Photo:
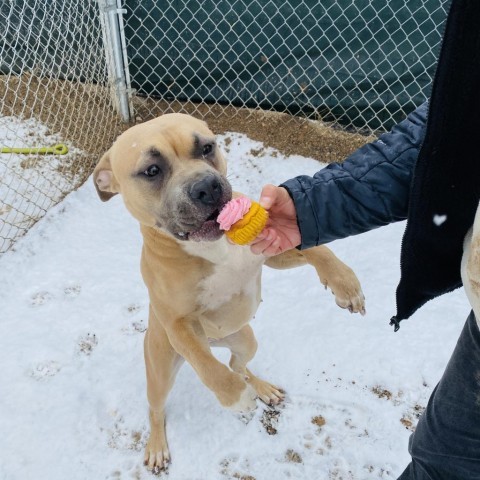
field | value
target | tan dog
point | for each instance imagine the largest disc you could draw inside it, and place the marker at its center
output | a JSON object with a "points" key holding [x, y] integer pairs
{"points": [[471, 266], [203, 290]]}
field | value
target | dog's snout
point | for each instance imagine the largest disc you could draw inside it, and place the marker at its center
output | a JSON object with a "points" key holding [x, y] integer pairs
{"points": [[208, 191]]}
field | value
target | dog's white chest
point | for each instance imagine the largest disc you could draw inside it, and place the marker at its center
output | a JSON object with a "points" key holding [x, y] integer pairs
{"points": [[236, 271], [228, 280]]}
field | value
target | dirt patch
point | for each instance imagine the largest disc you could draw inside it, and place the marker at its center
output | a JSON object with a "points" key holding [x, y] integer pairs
{"points": [[291, 456], [382, 392], [288, 134], [270, 421], [83, 114], [410, 419], [87, 344], [319, 421], [226, 467]]}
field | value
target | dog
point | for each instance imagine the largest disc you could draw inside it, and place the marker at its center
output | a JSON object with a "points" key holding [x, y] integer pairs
{"points": [[470, 267], [203, 290]]}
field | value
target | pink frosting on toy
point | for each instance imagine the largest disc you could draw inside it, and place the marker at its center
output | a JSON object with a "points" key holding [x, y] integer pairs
{"points": [[233, 211]]}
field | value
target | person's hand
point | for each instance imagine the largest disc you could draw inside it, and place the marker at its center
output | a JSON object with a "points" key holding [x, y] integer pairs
{"points": [[281, 232]]}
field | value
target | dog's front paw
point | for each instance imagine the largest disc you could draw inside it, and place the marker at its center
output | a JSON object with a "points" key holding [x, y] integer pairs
{"points": [[351, 298], [246, 403], [237, 395], [345, 285]]}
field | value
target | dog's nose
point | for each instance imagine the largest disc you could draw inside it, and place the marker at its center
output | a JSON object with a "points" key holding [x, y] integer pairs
{"points": [[207, 191]]}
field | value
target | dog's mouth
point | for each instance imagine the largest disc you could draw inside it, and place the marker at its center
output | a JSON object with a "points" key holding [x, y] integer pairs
{"points": [[208, 231]]}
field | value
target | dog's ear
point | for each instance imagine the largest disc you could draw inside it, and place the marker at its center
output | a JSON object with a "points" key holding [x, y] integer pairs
{"points": [[105, 182]]}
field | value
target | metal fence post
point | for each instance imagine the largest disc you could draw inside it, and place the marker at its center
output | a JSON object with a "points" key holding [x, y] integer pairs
{"points": [[115, 52]]}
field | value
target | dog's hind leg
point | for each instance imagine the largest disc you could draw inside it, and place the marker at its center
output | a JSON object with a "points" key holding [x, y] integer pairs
{"points": [[243, 346], [162, 364]]}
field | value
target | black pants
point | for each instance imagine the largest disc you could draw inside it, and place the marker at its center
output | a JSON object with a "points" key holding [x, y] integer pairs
{"points": [[446, 443]]}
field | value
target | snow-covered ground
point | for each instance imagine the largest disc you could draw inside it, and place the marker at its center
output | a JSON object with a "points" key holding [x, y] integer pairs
{"points": [[73, 311]]}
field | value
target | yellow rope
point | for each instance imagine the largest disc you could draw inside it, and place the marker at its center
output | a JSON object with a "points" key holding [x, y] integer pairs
{"points": [[60, 149]]}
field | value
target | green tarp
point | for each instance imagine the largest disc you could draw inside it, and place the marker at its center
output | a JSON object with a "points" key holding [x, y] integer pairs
{"points": [[57, 38], [360, 60]]}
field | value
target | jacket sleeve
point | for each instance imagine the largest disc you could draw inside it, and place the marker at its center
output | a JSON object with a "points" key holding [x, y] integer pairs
{"points": [[368, 190]]}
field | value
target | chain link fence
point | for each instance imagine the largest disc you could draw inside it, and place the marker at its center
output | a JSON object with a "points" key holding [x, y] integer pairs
{"points": [[363, 64], [278, 66], [54, 89]]}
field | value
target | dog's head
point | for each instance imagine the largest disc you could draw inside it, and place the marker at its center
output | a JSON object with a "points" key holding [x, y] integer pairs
{"points": [[171, 175]]}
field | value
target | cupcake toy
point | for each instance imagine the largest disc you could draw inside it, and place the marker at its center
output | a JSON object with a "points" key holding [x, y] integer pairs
{"points": [[242, 220]]}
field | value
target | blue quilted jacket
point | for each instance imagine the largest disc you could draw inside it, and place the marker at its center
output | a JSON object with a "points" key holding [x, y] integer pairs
{"points": [[420, 170], [369, 189]]}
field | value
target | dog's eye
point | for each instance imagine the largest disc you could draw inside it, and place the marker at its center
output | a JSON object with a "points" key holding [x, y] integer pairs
{"points": [[207, 149], [152, 171]]}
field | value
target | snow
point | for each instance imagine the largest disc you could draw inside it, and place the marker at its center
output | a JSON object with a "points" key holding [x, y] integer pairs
{"points": [[29, 185], [73, 311]]}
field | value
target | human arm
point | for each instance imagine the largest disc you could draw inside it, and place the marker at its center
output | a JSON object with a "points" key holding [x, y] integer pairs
{"points": [[369, 189]]}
